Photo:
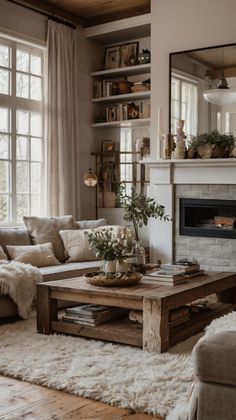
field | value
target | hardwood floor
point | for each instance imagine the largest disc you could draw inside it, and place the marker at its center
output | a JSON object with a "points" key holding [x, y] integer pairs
{"points": [[23, 401]]}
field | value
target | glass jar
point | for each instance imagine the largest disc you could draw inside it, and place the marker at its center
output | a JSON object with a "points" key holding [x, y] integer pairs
{"points": [[139, 261]]}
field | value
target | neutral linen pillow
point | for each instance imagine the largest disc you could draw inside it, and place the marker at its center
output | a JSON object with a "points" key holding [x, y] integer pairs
{"points": [[3, 256], [77, 245], [46, 229], [39, 255], [90, 224]]}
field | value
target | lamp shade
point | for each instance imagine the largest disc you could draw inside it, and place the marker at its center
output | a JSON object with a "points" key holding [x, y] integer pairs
{"points": [[90, 179], [220, 96]]}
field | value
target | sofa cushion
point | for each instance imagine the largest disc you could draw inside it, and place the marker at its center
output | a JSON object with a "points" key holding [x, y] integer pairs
{"points": [[67, 271], [215, 358], [3, 256], [91, 224], [46, 229], [38, 255], [14, 236]]}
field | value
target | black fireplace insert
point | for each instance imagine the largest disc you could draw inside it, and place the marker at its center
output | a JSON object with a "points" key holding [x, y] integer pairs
{"points": [[211, 218]]}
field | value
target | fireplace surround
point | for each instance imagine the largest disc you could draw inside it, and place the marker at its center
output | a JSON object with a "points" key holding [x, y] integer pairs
{"points": [[171, 180]]}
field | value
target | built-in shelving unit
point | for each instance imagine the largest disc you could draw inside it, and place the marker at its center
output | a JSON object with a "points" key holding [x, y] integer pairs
{"points": [[112, 108]]}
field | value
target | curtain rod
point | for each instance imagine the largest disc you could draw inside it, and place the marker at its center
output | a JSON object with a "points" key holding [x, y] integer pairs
{"points": [[51, 17]]}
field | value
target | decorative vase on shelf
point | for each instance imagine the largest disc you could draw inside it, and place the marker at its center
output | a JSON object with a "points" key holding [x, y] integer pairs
{"points": [[138, 259]]}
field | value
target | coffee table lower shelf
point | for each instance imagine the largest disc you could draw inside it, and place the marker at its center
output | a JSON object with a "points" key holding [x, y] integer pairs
{"points": [[127, 332]]}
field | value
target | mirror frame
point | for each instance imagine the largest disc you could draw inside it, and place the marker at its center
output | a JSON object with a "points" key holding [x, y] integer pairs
{"points": [[185, 52]]}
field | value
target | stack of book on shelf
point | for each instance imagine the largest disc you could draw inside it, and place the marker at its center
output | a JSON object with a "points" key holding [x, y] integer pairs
{"points": [[175, 273], [92, 315], [179, 315]]}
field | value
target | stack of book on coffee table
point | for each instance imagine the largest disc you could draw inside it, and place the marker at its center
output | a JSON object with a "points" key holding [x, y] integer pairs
{"points": [[92, 315], [175, 273]]}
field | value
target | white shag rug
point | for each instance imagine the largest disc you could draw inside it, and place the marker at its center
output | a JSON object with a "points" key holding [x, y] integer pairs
{"points": [[118, 375]]}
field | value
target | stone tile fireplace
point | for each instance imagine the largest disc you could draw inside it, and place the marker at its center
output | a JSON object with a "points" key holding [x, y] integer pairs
{"points": [[172, 182]]}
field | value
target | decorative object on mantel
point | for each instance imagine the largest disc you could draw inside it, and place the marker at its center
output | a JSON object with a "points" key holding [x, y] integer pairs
{"points": [[168, 145], [213, 144], [180, 146]]}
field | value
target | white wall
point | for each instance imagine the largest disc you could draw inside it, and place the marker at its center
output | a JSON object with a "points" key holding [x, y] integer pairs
{"points": [[178, 26]]}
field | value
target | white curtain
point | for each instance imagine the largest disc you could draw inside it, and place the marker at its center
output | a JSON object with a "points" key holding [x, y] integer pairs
{"points": [[61, 120]]}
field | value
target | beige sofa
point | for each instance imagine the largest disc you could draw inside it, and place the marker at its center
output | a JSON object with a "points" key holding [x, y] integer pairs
{"points": [[21, 236]]}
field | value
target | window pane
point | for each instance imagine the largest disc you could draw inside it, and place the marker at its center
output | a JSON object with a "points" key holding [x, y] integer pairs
{"points": [[22, 122], [35, 88], [35, 65], [22, 85], [4, 176], [22, 60], [36, 149], [4, 146], [4, 82], [22, 148], [36, 125], [4, 120], [22, 177], [4, 56], [35, 205], [4, 205], [35, 177], [22, 206]]}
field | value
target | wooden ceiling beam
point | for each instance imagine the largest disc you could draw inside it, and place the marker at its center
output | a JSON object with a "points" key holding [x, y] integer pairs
{"points": [[110, 17], [53, 10]]}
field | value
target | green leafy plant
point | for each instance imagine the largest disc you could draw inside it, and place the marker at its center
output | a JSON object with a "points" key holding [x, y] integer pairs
{"points": [[212, 137], [106, 245], [139, 209]]}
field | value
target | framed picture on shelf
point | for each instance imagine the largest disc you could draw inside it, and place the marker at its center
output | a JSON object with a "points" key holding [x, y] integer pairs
{"points": [[108, 146], [112, 57], [128, 54]]}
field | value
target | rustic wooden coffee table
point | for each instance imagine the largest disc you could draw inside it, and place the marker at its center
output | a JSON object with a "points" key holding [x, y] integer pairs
{"points": [[155, 300]]}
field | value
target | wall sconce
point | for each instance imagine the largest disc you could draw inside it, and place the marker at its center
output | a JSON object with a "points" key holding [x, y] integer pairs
{"points": [[90, 179]]}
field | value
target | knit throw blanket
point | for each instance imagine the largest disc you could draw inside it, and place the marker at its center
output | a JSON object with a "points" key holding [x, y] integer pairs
{"points": [[18, 281]]}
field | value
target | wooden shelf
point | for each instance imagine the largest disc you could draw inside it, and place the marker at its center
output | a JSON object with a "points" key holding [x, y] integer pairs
{"points": [[119, 331], [126, 97], [127, 123], [121, 71], [198, 321]]}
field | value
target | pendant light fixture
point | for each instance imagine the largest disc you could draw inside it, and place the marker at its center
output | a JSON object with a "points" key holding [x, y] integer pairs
{"points": [[90, 179], [222, 95]]}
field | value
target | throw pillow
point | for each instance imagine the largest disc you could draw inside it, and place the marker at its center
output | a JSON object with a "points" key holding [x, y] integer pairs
{"points": [[46, 229], [37, 255], [76, 245], [90, 224], [3, 256]]}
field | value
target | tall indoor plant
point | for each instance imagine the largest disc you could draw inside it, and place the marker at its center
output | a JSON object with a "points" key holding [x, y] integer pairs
{"points": [[138, 209]]}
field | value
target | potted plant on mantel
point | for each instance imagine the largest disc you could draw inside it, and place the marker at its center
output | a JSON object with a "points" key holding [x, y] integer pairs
{"points": [[212, 144]]}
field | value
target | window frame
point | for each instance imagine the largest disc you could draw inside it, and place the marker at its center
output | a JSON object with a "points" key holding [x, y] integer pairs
{"points": [[14, 104]]}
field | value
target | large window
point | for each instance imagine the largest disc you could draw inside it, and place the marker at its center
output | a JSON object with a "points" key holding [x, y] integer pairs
{"points": [[184, 105], [21, 130]]}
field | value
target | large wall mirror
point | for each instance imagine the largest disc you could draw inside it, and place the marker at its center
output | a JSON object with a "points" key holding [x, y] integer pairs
{"points": [[194, 72]]}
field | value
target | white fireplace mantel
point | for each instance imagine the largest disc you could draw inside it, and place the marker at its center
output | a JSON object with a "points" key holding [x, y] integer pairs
{"points": [[164, 175], [192, 171]]}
